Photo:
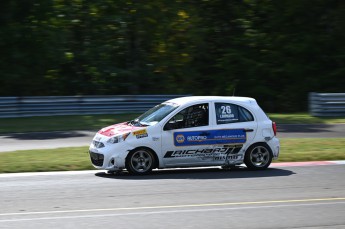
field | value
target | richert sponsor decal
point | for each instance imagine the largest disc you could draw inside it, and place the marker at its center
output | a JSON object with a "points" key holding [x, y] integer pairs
{"points": [[220, 153], [140, 134], [210, 137]]}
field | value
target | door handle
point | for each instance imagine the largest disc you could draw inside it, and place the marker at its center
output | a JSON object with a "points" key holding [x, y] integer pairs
{"points": [[204, 134], [248, 130]]}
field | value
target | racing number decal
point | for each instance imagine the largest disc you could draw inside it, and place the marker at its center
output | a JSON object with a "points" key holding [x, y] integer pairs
{"points": [[226, 112]]}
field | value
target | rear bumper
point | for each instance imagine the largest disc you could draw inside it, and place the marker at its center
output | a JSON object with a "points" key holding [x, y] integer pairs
{"points": [[274, 144]]}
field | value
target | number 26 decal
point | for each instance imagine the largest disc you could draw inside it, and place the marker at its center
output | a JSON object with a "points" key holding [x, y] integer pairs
{"points": [[226, 109]]}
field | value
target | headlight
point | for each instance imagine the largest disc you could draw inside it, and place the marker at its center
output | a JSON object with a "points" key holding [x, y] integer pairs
{"points": [[118, 138], [98, 144]]}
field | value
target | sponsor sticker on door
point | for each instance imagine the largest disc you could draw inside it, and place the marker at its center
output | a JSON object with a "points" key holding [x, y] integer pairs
{"points": [[210, 137]]}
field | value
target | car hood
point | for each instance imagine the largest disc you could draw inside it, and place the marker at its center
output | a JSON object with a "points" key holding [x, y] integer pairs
{"points": [[117, 129]]}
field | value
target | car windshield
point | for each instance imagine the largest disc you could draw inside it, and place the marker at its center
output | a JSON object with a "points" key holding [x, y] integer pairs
{"points": [[155, 114]]}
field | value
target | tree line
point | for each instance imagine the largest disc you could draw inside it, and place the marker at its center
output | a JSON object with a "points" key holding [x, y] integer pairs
{"points": [[274, 51]]}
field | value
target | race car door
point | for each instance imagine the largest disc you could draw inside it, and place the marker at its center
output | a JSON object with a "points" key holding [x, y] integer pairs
{"points": [[184, 137], [235, 128]]}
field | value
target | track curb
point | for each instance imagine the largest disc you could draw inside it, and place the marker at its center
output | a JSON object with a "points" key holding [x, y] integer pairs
{"points": [[81, 172]]}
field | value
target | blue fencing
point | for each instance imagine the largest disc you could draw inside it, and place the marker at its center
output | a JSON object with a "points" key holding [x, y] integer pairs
{"points": [[28, 106]]}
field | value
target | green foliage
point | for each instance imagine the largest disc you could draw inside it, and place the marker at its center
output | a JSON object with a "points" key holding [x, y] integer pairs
{"points": [[275, 51]]}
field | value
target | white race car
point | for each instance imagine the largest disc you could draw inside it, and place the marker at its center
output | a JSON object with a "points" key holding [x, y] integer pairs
{"points": [[189, 132]]}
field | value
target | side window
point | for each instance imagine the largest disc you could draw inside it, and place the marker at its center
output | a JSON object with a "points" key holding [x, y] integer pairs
{"points": [[245, 115], [193, 116], [230, 113]]}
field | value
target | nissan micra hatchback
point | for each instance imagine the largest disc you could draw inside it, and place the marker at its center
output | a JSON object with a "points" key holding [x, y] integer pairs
{"points": [[189, 132]]}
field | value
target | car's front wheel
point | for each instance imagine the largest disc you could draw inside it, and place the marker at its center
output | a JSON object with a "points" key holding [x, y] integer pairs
{"points": [[140, 161], [258, 156]]}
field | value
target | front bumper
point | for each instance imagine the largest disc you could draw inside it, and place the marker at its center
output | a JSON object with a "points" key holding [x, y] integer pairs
{"points": [[97, 159], [110, 157]]}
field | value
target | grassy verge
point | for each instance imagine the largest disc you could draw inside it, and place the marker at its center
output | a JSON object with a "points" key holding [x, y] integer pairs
{"points": [[95, 122], [312, 149], [304, 118], [56, 123], [61, 159], [76, 158]]}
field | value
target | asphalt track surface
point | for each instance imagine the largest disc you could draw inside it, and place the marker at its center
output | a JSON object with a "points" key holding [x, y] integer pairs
{"points": [[279, 197], [286, 195], [49, 140]]}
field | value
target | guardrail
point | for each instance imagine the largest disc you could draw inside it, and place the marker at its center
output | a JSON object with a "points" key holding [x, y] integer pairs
{"points": [[327, 104], [11, 107]]}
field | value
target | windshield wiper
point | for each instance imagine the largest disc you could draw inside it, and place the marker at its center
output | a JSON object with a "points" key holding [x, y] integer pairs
{"points": [[132, 122], [144, 124], [136, 122]]}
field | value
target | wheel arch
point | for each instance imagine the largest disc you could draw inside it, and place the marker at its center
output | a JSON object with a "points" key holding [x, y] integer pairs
{"points": [[257, 144], [247, 161], [156, 162]]}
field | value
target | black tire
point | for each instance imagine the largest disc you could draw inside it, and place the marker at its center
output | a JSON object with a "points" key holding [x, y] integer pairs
{"points": [[258, 156], [140, 161]]}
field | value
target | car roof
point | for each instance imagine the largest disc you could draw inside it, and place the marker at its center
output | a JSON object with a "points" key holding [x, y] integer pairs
{"points": [[192, 99]]}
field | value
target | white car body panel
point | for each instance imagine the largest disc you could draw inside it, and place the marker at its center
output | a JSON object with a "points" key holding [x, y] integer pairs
{"points": [[208, 145]]}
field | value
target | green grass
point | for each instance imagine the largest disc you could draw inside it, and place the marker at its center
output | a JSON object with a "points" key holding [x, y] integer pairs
{"points": [[95, 122], [61, 159], [304, 118], [76, 158], [312, 149]]}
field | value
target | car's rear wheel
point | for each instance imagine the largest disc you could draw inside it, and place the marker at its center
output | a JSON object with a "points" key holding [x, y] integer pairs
{"points": [[140, 161], [258, 156]]}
